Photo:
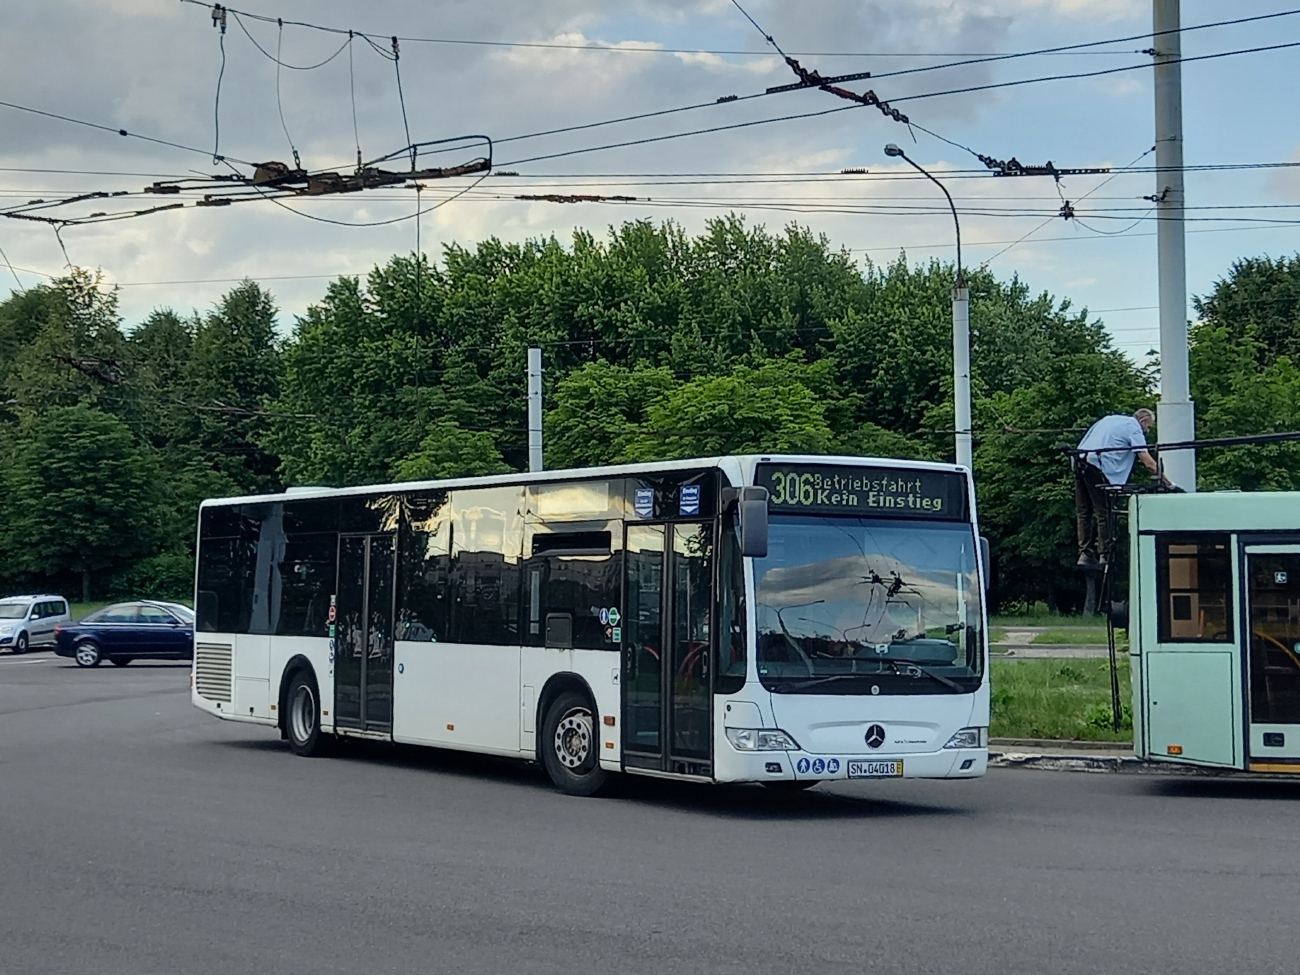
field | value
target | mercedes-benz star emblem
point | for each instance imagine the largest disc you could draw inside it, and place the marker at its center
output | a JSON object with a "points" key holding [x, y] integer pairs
{"points": [[875, 736]]}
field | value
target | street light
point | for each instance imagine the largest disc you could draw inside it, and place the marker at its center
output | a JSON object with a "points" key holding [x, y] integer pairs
{"points": [[960, 331]]}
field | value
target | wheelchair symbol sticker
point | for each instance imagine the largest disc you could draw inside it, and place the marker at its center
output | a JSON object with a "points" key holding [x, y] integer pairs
{"points": [[818, 766]]}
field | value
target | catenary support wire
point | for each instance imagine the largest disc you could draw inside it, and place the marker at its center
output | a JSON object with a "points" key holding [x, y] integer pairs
{"points": [[218, 20], [279, 40]]}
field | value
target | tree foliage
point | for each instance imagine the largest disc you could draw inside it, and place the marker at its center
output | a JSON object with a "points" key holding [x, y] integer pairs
{"points": [[657, 344], [81, 496]]}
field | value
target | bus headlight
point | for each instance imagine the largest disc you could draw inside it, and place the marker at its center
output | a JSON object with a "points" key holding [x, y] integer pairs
{"points": [[761, 740], [969, 738]]}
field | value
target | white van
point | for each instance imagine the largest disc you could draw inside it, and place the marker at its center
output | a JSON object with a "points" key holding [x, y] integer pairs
{"points": [[28, 621]]}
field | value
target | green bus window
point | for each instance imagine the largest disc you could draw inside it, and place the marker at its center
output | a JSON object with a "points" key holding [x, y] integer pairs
{"points": [[1194, 577]]}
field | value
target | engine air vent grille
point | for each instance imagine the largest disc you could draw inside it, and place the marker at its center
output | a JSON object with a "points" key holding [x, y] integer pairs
{"points": [[212, 671]]}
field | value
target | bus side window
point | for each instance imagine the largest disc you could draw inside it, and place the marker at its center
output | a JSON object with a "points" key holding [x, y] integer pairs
{"points": [[424, 568], [574, 573], [484, 573], [307, 576], [1193, 581], [228, 538]]}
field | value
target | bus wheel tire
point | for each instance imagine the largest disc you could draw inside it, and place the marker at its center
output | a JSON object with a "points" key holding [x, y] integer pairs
{"points": [[87, 654], [570, 744], [302, 718], [788, 787]]}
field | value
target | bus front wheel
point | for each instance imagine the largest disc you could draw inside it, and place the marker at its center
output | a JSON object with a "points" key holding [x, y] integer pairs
{"points": [[302, 719], [570, 746]]}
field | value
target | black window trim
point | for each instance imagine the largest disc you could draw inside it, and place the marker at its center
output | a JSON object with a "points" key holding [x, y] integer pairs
{"points": [[1163, 539]]}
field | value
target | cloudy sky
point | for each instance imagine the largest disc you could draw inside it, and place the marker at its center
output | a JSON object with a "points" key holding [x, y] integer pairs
{"points": [[151, 67]]}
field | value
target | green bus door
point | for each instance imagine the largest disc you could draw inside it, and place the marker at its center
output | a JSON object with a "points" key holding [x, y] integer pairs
{"points": [[1273, 659]]}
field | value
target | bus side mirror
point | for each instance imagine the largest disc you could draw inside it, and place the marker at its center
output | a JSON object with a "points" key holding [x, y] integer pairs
{"points": [[985, 560], [1118, 613], [753, 522]]}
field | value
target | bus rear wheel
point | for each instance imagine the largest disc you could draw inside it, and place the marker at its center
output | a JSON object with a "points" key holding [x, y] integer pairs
{"points": [[302, 716], [570, 746]]}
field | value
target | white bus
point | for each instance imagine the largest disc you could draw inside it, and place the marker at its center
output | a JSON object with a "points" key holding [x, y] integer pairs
{"points": [[775, 619]]}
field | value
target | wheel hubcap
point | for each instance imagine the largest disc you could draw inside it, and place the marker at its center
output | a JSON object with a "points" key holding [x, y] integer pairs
{"points": [[573, 738], [86, 656], [302, 716]]}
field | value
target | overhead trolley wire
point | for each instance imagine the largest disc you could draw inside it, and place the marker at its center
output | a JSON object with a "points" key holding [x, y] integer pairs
{"points": [[276, 56], [1092, 74], [915, 97], [279, 106], [624, 49], [116, 131]]}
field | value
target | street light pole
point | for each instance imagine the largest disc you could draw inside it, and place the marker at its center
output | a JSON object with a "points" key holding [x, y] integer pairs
{"points": [[960, 332]]}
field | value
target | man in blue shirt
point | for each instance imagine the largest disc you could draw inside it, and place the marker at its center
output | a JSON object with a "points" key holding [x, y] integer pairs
{"points": [[1106, 465]]}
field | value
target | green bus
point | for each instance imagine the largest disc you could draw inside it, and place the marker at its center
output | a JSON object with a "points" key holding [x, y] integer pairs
{"points": [[1214, 629]]}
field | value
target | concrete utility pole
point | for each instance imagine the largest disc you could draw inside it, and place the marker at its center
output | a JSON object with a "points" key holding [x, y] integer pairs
{"points": [[534, 409], [960, 333], [961, 371], [1176, 419]]}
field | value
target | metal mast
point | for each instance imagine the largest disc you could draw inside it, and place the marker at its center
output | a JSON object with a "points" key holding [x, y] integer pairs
{"points": [[1176, 417]]}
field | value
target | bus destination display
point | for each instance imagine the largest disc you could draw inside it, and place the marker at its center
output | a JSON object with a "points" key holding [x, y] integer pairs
{"points": [[865, 491]]}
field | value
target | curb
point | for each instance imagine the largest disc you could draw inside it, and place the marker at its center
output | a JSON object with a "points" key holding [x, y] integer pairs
{"points": [[1066, 763], [1077, 745], [1093, 763]]}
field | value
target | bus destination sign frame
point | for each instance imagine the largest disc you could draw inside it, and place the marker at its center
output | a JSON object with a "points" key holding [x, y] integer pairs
{"points": [[876, 492]]}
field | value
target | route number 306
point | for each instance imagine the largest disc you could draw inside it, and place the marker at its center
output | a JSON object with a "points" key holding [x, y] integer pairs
{"points": [[793, 488]]}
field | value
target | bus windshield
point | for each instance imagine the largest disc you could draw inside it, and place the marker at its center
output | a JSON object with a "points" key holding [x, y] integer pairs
{"points": [[869, 606]]}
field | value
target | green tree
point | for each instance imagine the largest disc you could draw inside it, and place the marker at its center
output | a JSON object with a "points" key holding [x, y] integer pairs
{"points": [[768, 408], [1236, 395], [160, 355], [599, 410], [450, 451], [234, 371], [66, 346], [1259, 293], [81, 496]]}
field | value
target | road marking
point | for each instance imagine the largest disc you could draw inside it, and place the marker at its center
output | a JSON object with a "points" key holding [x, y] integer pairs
{"points": [[29, 660]]}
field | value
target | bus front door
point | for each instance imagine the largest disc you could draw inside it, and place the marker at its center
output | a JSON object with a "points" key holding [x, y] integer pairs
{"points": [[666, 647], [363, 653], [1273, 635]]}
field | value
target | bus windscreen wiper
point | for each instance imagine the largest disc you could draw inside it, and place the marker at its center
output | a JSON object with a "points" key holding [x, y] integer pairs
{"points": [[919, 669], [787, 688]]}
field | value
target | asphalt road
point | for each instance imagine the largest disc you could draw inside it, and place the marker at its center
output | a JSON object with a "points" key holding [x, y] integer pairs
{"points": [[139, 836]]}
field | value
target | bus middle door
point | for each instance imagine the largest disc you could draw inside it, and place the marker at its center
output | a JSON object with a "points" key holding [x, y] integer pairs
{"points": [[363, 655]]}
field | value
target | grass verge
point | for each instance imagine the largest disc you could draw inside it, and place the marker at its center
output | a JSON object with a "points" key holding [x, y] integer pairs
{"points": [[1044, 618], [1065, 699]]}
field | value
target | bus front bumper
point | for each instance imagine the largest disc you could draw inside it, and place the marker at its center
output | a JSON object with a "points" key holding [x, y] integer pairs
{"points": [[773, 766]]}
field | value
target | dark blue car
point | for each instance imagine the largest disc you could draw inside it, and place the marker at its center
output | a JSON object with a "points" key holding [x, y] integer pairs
{"points": [[127, 631]]}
